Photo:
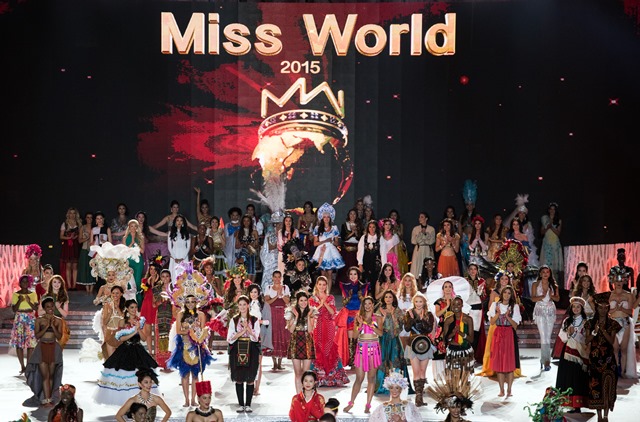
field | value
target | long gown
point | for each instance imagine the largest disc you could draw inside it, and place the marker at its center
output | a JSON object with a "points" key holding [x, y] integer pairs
{"points": [[138, 270], [603, 378], [391, 350], [551, 250], [327, 365], [406, 410], [331, 258], [574, 361], [423, 247], [279, 332]]}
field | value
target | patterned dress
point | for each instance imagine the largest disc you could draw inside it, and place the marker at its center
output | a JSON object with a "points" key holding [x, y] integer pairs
{"points": [[301, 345], [391, 350], [603, 378], [331, 258], [328, 365]]}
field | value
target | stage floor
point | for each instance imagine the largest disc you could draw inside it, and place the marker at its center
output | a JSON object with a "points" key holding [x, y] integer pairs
{"points": [[277, 389]]}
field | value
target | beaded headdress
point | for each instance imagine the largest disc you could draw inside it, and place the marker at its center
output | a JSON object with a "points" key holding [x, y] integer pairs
{"points": [[113, 258], [326, 209], [189, 282], [395, 378]]}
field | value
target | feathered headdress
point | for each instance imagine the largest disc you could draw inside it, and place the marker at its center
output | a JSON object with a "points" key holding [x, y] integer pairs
{"points": [[512, 251], [521, 200], [189, 282], [33, 249], [454, 389], [113, 258], [470, 191]]}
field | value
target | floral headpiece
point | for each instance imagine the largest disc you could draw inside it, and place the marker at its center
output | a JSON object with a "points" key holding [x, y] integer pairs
{"points": [[33, 249], [384, 220], [237, 270], [326, 208], [395, 378], [499, 275], [477, 218], [157, 260], [189, 282], [68, 387], [207, 261]]}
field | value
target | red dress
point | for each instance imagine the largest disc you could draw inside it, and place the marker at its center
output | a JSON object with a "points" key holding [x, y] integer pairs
{"points": [[303, 411], [327, 365], [147, 310]]}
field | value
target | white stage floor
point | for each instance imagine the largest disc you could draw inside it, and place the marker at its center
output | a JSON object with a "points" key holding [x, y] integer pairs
{"points": [[278, 388]]}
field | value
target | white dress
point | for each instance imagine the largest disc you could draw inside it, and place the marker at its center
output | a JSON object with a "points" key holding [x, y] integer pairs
{"points": [[178, 249], [406, 409], [331, 259], [404, 304]]}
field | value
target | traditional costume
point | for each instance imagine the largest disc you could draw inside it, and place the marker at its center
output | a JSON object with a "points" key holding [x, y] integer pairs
{"points": [[327, 255], [403, 410], [303, 410], [327, 364], [455, 390]]}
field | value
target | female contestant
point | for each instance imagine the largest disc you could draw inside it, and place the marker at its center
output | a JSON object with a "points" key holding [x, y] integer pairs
{"points": [[551, 251], [201, 245], [164, 320], [448, 245], [368, 356], [191, 355], [301, 323], [442, 312], [477, 295], [147, 379], [84, 270], [392, 353], [35, 269], [278, 296], [202, 210], [429, 274], [132, 238], [208, 270], [58, 292], [621, 306], [389, 244], [505, 315], [478, 243], [398, 229], [44, 368], [350, 233], [217, 236], [24, 304], [307, 405], [396, 409], [100, 235], [69, 234], [545, 292], [497, 233], [262, 311], [419, 321], [581, 269], [270, 256], [423, 237], [328, 365], [326, 238], [386, 281], [119, 223], [152, 288], [244, 350], [67, 409], [178, 243], [352, 294], [307, 221], [286, 233], [408, 289], [368, 256], [603, 370], [458, 333], [118, 377], [246, 242], [572, 370]]}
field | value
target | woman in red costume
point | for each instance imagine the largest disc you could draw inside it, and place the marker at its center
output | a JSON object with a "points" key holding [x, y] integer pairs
{"points": [[307, 405]]}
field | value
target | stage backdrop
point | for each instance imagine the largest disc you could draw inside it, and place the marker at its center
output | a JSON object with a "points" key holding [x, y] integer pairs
{"points": [[285, 102]]}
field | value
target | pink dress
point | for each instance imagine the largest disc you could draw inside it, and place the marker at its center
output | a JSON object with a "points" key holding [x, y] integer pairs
{"points": [[368, 355]]}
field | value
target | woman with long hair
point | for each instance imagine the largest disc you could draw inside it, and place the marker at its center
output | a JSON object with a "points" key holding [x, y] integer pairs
{"points": [[398, 229], [326, 239], [69, 235], [278, 295], [164, 319], [301, 323], [147, 380], [244, 350], [419, 321], [545, 292], [505, 315], [58, 292], [621, 306], [391, 350], [178, 243], [261, 310], [496, 235], [24, 304], [119, 224], [407, 290], [285, 233], [387, 280], [152, 287], [352, 294], [368, 357], [551, 250], [350, 233], [328, 364], [246, 242], [84, 270], [67, 409], [219, 241], [423, 237], [368, 256], [448, 246], [306, 223], [389, 244]]}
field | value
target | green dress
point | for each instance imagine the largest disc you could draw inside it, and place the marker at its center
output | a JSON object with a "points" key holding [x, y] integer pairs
{"points": [[138, 270]]}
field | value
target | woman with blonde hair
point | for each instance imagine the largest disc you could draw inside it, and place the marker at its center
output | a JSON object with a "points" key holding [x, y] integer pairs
{"points": [[69, 234], [407, 290], [133, 237]]}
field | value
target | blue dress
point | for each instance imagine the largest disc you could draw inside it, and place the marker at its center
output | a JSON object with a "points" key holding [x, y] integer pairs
{"points": [[391, 351], [331, 259]]}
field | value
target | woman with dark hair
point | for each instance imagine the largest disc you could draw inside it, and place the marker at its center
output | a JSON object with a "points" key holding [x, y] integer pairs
{"points": [[67, 409], [352, 294], [389, 244], [243, 337], [398, 229], [143, 221], [429, 274], [60, 296], [137, 412], [278, 295], [164, 320], [544, 293], [391, 351], [24, 304], [386, 281], [551, 250], [603, 368], [350, 233], [145, 399], [152, 288], [169, 220], [478, 244], [100, 234], [301, 322], [585, 289], [572, 369], [217, 236], [261, 310], [202, 210], [307, 221], [581, 269], [368, 255], [448, 246], [326, 239], [178, 243], [505, 315], [191, 355], [119, 223], [423, 237], [496, 234], [84, 270], [307, 404], [201, 245], [246, 242], [69, 234]]}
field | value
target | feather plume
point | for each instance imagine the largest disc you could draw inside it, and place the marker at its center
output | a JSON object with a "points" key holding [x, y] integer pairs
{"points": [[470, 191], [455, 388]]}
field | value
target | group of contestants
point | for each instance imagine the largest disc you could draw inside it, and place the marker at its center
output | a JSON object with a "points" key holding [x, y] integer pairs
{"points": [[292, 314]]}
